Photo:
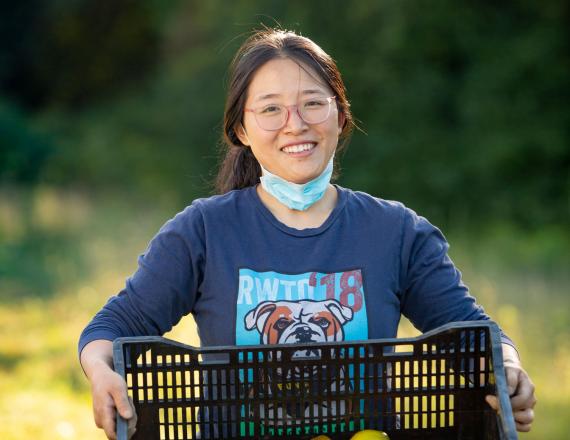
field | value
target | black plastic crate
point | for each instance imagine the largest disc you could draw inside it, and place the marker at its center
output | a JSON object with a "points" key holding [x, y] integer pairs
{"points": [[429, 387]]}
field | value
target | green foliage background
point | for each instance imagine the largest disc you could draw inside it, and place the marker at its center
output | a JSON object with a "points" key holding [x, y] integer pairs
{"points": [[464, 104], [110, 120]]}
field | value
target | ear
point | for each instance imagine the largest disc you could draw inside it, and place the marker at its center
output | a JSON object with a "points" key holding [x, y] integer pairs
{"points": [[259, 315], [341, 121], [242, 135], [342, 313]]}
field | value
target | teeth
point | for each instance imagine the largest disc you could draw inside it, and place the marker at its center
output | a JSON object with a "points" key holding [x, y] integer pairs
{"points": [[298, 148]]}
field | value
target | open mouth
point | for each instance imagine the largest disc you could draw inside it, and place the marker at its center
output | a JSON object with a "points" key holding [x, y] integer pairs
{"points": [[299, 148]]}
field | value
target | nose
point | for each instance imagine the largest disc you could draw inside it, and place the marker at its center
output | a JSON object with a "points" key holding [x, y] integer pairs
{"points": [[294, 122], [303, 334]]}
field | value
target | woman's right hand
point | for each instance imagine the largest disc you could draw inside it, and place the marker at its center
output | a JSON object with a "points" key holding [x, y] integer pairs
{"points": [[109, 392], [108, 389]]}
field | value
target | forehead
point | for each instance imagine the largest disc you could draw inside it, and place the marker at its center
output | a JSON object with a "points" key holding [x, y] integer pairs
{"points": [[284, 77]]}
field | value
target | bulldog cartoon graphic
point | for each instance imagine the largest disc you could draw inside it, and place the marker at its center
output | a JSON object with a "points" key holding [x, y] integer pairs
{"points": [[286, 322], [293, 322]]}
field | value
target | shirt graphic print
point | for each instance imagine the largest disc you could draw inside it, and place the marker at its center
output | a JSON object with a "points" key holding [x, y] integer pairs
{"points": [[275, 308], [311, 307]]}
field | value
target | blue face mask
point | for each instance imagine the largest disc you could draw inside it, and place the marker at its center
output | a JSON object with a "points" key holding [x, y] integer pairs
{"points": [[294, 195]]}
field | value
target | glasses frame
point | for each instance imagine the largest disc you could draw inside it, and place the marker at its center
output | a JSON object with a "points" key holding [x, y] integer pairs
{"points": [[330, 100]]}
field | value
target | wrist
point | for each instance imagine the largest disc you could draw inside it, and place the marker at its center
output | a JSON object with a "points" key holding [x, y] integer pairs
{"points": [[97, 356], [510, 355], [96, 368]]}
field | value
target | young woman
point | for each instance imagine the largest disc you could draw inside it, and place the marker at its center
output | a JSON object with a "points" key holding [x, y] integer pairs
{"points": [[282, 255]]}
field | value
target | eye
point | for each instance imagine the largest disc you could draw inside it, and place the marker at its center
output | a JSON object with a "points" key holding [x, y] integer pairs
{"points": [[321, 322], [281, 324], [314, 103], [271, 109]]}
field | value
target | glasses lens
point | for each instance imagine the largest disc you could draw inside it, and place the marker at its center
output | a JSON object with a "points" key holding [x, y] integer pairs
{"points": [[271, 117], [315, 110]]}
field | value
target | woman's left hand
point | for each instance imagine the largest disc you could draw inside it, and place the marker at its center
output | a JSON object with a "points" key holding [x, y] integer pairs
{"points": [[520, 388]]}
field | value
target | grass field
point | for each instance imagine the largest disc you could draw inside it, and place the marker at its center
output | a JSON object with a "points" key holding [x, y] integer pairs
{"points": [[62, 254]]}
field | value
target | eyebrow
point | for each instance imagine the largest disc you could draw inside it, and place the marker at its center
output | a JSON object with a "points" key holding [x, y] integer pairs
{"points": [[277, 95]]}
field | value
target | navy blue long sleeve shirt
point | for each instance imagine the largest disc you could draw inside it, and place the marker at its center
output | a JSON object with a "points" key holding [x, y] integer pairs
{"points": [[247, 278]]}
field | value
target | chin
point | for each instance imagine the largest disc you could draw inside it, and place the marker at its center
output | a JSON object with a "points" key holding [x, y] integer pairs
{"points": [[301, 181], [304, 177]]}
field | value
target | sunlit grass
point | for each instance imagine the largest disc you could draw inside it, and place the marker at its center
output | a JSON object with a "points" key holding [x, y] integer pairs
{"points": [[82, 251]]}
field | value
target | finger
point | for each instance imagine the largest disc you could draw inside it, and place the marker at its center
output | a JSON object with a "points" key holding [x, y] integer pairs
{"points": [[524, 417], [108, 422], [105, 417], [131, 430], [132, 422], [492, 401], [523, 428], [119, 394], [512, 376], [524, 398], [109, 428]]}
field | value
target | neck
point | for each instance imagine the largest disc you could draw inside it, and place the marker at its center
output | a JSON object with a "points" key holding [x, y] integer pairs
{"points": [[312, 217]]}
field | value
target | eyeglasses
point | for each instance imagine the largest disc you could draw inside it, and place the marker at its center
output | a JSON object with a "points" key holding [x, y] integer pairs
{"points": [[273, 117]]}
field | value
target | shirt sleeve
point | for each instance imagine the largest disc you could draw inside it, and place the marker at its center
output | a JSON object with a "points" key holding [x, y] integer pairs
{"points": [[432, 291], [164, 287]]}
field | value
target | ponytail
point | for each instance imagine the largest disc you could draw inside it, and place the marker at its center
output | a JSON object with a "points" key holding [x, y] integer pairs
{"points": [[239, 169]]}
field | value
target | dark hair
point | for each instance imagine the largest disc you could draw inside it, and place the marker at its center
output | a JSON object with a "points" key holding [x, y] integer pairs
{"points": [[239, 168]]}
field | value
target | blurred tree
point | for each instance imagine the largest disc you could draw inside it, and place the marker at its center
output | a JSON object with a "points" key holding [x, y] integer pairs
{"points": [[24, 152], [69, 53], [464, 103]]}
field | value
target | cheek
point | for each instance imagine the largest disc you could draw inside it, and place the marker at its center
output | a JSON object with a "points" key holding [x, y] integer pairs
{"points": [[264, 150], [260, 140], [332, 131]]}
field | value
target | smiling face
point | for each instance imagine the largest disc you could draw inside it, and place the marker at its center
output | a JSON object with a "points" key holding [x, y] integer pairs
{"points": [[298, 152]]}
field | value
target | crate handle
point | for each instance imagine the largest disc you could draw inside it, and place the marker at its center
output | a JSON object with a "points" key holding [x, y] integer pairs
{"points": [[214, 359]]}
